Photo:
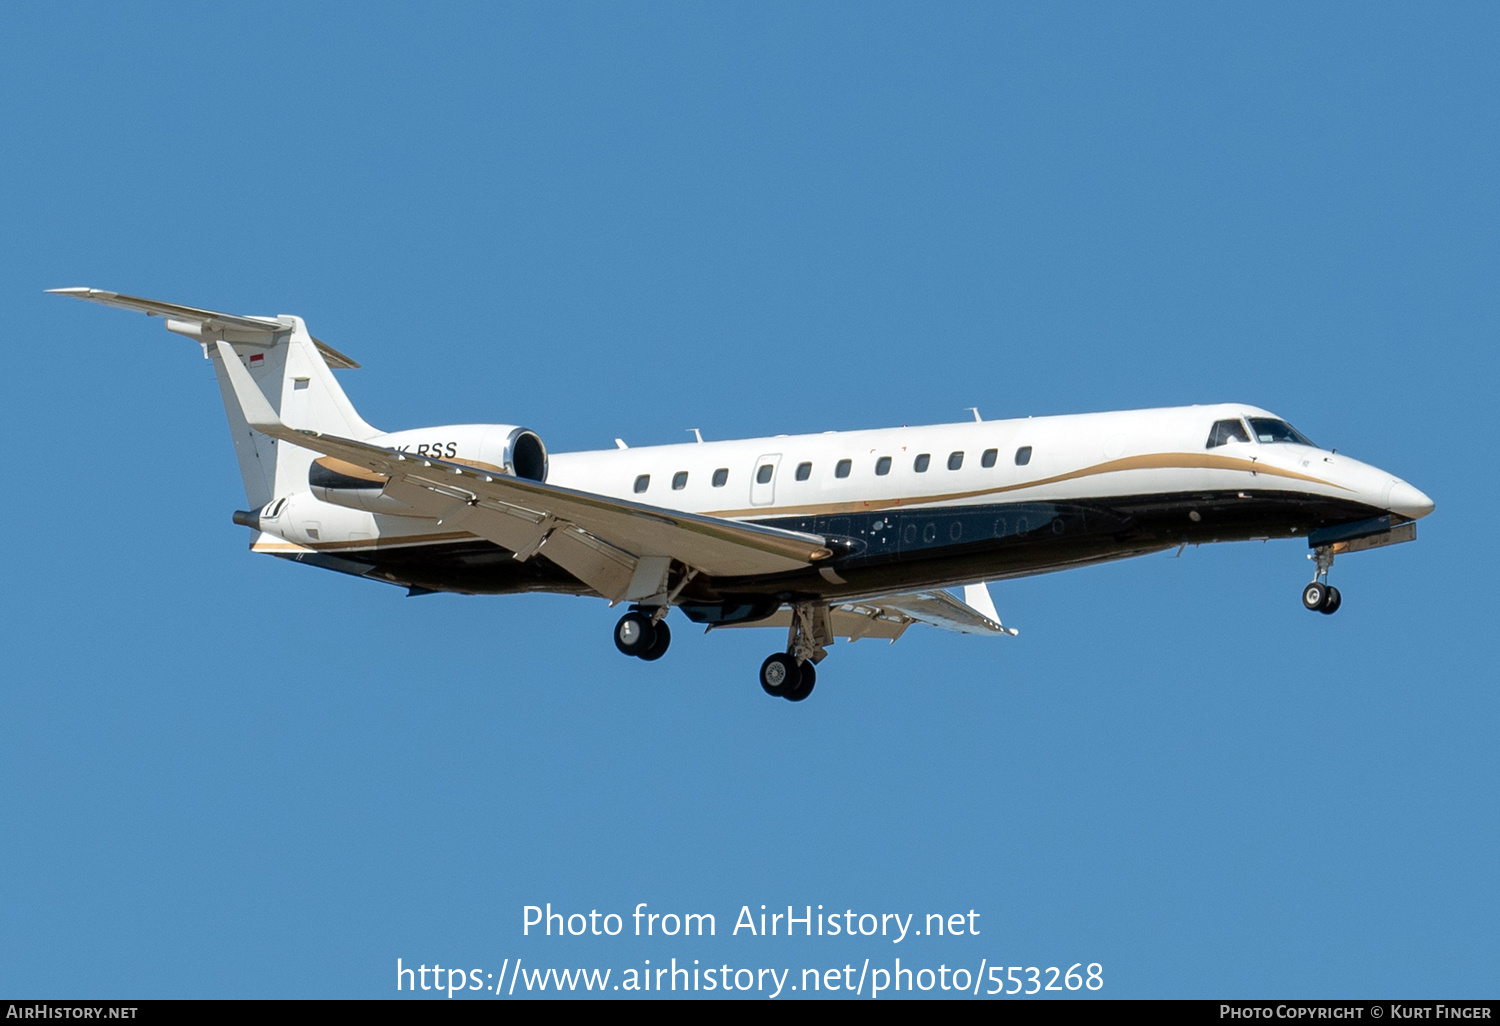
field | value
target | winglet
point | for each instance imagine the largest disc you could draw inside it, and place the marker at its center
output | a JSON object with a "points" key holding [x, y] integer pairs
{"points": [[977, 597]]}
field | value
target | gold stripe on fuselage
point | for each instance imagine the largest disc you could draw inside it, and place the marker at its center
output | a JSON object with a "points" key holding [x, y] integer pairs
{"points": [[1153, 461]]}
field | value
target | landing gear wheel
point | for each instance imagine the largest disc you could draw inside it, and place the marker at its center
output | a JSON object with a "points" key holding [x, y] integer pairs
{"points": [[635, 634], [805, 685], [1331, 601], [780, 675], [1315, 594], [659, 645]]}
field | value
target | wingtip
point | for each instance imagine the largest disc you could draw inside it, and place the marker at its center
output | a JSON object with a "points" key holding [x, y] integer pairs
{"points": [[76, 290]]}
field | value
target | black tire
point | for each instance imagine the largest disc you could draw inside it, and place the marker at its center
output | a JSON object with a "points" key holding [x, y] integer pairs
{"points": [[1331, 601], [805, 685], [780, 675], [1314, 595], [634, 634], [659, 646]]}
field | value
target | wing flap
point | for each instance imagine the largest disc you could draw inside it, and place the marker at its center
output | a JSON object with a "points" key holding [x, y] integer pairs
{"points": [[852, 621], [596, 563], [889, 616], [939, 608]]}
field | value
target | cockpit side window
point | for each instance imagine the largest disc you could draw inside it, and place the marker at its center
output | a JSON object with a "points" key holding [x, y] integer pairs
{"points": [[1268, 429], [1226, 431]]}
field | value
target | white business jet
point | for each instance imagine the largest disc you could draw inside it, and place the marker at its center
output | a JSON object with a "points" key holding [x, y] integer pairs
{"points": [[846, 534]]}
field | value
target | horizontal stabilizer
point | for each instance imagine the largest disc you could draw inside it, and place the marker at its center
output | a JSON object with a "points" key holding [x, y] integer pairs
{"points": [[210, 321]]}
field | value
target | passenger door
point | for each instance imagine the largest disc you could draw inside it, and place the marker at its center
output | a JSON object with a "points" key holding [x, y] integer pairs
{"points": [[763, 480]]}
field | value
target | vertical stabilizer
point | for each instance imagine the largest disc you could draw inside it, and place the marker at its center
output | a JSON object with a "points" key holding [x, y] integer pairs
{"points": [[292, 370], [297, 381]]}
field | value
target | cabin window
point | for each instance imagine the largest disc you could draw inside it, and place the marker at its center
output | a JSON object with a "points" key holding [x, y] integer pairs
{"points": [[642, 483], [679, 480], [883, 466], [955, 460], [721, 477], [763, 475], [804, 471], [1226, 431], [920, 463], [1023, 455], [842, 468], [1269, 430], [988, 459]]}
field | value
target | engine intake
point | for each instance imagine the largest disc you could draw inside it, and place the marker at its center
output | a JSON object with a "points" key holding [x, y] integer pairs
{"points": [[527, 455]]}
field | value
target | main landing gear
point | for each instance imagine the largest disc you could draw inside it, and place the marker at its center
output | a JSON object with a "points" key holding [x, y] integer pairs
{"points": [[643, 635], [1320, 595], [781, 677], [793, 673]]}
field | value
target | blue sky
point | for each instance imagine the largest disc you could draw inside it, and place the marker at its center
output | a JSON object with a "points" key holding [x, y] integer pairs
{"points": [[224, 775]]}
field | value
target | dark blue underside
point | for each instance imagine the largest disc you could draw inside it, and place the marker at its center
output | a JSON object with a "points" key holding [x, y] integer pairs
{"points": [[895, 549]]}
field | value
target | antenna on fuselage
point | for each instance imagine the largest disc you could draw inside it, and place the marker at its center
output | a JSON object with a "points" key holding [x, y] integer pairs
{"points": [[975, 410], [697, 434]]}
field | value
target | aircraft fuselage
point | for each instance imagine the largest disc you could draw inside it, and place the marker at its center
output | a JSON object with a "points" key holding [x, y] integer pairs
{"points": [[956, 503]]}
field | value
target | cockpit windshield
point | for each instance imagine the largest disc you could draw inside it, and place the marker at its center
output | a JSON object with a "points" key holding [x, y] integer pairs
{"points": [[1226, 431], [1268, 429]]}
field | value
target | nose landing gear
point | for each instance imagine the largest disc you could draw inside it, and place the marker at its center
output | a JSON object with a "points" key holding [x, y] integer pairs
{"points": [[1320, 595], [1324, 598]]}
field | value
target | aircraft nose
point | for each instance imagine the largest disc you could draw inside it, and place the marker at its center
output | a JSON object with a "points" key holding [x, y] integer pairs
{"points": [[1402, 498]]}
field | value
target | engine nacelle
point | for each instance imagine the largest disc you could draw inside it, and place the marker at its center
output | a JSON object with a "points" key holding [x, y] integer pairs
{"points": [[497, 448]]}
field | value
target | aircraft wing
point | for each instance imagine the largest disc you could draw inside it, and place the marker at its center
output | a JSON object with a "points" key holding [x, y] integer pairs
{"points": [[209, 319], [889, 616], [941, 608], [621, 549]]}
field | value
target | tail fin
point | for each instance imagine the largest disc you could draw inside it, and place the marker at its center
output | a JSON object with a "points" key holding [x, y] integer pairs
{"points": [[293, 371]]}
